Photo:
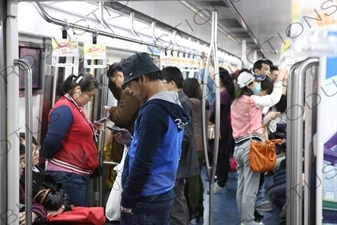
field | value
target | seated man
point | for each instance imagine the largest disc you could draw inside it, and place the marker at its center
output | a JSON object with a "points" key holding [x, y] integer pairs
{"points": [[39, 213]]}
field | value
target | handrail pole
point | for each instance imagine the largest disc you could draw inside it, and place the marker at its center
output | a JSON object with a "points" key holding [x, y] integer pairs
{"points": [[309, 82], [203, 105], [289, 159], [28, 138]]}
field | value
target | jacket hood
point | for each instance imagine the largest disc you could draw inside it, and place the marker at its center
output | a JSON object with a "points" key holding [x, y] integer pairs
{"points": [[169, 101]]}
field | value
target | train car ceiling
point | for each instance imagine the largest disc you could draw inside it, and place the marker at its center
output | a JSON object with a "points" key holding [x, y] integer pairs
{"points": [[262, 26]]}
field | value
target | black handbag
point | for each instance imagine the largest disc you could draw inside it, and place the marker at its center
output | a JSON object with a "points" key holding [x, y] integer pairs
{"points": [[98, 172]]}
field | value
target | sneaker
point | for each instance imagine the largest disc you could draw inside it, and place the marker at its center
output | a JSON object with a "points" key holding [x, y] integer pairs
{"points": [[257, 223], [219, 190], [264, 208]]}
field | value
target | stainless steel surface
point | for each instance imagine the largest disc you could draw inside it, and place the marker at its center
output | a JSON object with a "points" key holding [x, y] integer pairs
{"points": [[308, 142], [297, 142], [56, 21], [3, 116], [28, 137], [290, 138], [212, 168]]}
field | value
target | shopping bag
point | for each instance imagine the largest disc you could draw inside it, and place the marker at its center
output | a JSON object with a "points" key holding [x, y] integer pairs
{"points": [[79, 215], [113, 205]]}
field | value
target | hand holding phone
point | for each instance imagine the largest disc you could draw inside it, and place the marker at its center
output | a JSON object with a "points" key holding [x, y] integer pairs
{"points": [[101, 120], [122, 135], [115, 128]]}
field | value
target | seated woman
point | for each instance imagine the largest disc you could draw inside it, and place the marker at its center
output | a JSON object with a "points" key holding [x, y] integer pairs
{"points": [[39, 213], [56, 200]]}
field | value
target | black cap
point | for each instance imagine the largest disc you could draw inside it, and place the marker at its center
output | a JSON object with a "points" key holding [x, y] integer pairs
{"points": [[137, 65]]}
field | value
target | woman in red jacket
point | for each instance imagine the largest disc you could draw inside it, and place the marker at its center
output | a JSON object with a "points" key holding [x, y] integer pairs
{"points": [[69, 145]]}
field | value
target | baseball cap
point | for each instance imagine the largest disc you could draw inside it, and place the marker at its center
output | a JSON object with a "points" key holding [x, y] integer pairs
{"points": [[137, 65], [246, 78]]}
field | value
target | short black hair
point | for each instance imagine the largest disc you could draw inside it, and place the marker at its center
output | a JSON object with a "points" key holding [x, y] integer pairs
{"points": [[258, 64], [23, 137], [272, 68], [113, 69], [267, 85], [22, 149], [172, 73], [269, 62]]}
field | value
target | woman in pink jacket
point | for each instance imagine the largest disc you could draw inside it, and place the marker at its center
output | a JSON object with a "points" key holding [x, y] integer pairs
{"points": [[245, 126]]}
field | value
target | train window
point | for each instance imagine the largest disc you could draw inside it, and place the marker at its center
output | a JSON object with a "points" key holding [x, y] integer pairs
{"points": [[32, 56]]}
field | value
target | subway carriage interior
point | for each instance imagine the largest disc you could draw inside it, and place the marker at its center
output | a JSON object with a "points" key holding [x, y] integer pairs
{"points": [[55, 39]]}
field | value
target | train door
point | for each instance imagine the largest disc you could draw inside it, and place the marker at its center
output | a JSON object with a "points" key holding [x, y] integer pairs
{"points": [[311, 142]]}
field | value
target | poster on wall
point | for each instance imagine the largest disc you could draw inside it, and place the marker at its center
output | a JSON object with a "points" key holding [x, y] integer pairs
{"points": [[329, 90]]}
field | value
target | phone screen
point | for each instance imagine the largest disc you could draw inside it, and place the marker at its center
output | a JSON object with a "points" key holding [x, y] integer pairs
{"points": [[114, 128], [101, 120]]}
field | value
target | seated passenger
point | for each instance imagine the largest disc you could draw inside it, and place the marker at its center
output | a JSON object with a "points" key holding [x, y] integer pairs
{"points": [[56, 200], [39, 213]]}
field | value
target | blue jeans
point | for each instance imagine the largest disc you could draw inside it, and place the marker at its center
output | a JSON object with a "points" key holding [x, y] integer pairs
{"points": [[260, 196], [149, 213], [75, 185]]}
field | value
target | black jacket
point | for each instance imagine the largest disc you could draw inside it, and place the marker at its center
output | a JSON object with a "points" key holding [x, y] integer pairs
{"points": [[188, 164]]}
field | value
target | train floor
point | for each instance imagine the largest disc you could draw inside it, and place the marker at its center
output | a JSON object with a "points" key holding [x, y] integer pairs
{"points": [[225, 209]]}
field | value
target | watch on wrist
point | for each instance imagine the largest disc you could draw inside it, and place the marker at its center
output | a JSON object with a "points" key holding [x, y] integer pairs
{"points": [[129, 210]]}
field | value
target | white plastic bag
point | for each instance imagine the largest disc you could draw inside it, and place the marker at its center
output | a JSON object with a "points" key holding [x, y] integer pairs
{"points": [[113, 205]]}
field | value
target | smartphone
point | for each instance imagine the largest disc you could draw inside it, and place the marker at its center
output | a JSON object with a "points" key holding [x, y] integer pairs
{"points": [[265, 110], [114, 128], [101, 120]]}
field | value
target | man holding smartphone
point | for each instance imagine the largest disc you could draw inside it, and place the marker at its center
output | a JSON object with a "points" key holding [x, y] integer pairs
{"points": [[123, 115], [154, 151]]}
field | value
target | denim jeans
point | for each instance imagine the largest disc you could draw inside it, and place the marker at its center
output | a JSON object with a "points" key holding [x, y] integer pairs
{"points": [[75, 185], [149, 213]]}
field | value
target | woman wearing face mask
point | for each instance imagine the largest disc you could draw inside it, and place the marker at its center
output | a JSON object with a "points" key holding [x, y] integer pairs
{"points": [[245, 126]]}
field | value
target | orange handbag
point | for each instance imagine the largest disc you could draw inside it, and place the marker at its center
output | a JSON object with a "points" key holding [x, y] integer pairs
{"points": [[262, 155]]}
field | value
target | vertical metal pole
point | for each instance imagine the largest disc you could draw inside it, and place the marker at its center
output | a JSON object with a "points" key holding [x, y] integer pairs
{"points": [[289, 159], [56, 72], [309, 80], [244, 52], [11, 77], [3, 116], [28, 137], [217, 113], [203, 105], [320, 140]]}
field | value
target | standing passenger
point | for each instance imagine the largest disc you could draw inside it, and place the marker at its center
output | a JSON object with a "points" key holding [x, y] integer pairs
{"points": [[226, 98], [69, 145], [188, 164], [195, 186], [124, 114], [154, 151], [245, 127]]}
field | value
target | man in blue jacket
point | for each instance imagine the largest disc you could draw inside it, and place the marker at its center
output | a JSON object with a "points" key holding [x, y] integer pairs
{"points": [[154, 151]]}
